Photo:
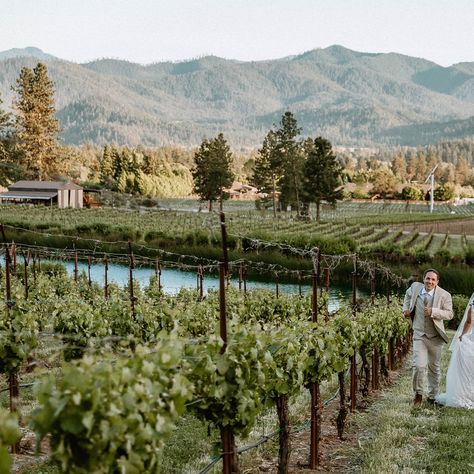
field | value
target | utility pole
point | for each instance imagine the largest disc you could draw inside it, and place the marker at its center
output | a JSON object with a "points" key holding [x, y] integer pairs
{"points": [[431, 178]]}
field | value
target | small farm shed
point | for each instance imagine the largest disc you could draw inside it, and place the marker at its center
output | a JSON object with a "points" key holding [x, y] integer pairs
{"points": [[64, 194]]}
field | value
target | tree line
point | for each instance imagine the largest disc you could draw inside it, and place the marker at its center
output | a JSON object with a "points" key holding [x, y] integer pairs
{"points": [[290, 171]]}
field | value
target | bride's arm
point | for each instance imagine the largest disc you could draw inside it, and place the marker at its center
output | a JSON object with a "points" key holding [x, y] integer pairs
{"points": [[467, 324]]}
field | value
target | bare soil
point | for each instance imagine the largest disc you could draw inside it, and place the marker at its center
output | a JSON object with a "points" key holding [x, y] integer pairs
{"points": [[27, 455]]}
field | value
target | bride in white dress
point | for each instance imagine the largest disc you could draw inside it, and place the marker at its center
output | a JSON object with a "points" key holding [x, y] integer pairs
{"points": [[460, 375]]}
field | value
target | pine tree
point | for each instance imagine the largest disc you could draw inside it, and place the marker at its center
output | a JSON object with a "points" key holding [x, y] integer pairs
{"points": [[289, 154], [5, 121], [37, 127], [118, 167], [213, 170], [399, 167], [106, 167], [268, 170], [462, 171], [5, 129], [411, 166], [322, 174], [8, 168]]}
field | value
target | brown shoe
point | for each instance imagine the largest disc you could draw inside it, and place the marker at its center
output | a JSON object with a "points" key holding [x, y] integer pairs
{"points": [[417, 400]]}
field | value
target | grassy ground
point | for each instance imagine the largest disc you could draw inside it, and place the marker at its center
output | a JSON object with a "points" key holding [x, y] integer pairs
{"points": [[396, 438]]}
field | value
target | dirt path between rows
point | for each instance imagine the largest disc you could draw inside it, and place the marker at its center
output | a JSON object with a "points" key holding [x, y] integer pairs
{"points": [[444, 227], [336, 456]]}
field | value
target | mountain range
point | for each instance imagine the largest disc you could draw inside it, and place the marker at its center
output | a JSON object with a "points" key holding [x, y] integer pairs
{"points": [[352, 98]]}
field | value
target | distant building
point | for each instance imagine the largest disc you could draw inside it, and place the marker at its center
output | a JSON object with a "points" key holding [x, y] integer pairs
{"points": [[239, 190], [64, 194]]}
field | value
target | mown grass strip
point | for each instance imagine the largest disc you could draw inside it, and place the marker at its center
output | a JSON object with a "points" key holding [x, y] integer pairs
{"points": [[396, 438]]}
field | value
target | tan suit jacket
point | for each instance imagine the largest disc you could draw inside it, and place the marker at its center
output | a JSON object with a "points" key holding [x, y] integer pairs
{"points": [[442, 307]]}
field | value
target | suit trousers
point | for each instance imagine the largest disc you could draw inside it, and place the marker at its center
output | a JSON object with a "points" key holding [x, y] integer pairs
{"points": [[427, 357]]}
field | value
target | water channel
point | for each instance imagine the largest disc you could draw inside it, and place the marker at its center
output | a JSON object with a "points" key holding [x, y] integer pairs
{"points": [[173, 280]]}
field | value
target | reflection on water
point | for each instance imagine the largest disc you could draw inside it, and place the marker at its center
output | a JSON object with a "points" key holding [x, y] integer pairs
{"points": [[173, 280]]}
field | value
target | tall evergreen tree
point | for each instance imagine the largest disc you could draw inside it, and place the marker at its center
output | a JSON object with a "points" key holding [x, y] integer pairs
{"points": [[322, 174], [268, 169], [213, 170], [421, 168], [5, 130], [106, 167], [411, 165], [5, 121], [8, 168], [36, 124], [399, 167], [289, 154], [462, 171]]}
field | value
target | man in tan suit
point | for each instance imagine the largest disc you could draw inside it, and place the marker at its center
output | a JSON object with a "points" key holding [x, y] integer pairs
{"points": [[428, 305]]}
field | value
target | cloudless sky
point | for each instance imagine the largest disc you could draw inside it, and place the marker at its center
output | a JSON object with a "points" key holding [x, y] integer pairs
{"points": [[147, 31]]}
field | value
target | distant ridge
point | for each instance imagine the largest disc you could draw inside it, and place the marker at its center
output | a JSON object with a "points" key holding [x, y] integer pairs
{"points": [[29, 52], [352, 98]]}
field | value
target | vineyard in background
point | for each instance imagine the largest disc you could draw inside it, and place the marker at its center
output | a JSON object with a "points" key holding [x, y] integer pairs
{"points": [[390, 232]]}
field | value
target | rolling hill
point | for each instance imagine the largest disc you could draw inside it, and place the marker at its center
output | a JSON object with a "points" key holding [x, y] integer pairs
{"points": [[352, 98]]}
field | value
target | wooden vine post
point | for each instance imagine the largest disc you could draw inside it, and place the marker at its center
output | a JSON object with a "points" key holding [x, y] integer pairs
{"points": [[200, 283], [353, 357], [131, 266], [75, 267], [89, 280], [315, 390], [375, 352], [34, 265], [13, 254], [158, 273], [106, 278], [13, 387], [26, 260], [240, 275], [230, 462]]}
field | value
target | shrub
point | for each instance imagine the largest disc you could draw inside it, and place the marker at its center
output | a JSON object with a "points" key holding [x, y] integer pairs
{"points": [[360, 194], [445, 192], [411, 193], [469, 256], [443, 256], [421, 256], [459, 305]]}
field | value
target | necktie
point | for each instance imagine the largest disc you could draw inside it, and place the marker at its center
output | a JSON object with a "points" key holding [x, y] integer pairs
{"points": [[426, 300]]}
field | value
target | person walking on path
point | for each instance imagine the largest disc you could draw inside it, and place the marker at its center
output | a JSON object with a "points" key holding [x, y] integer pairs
{"points": [[428, 305]]}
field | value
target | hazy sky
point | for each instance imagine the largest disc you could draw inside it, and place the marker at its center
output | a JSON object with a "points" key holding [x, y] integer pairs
{"points": [[147, 31]]}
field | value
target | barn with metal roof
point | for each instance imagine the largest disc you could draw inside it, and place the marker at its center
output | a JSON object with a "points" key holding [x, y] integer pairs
{"points": [[64, 194]]}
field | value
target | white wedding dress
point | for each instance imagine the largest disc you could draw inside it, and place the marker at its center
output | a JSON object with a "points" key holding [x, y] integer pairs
{"points": [[460, 375]]}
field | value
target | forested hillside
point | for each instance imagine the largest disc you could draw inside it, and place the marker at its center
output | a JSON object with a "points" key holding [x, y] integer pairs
{"points": [[352, 98]]}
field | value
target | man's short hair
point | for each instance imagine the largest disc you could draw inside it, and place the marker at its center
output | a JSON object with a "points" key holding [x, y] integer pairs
{"points": [[432, 270]]}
